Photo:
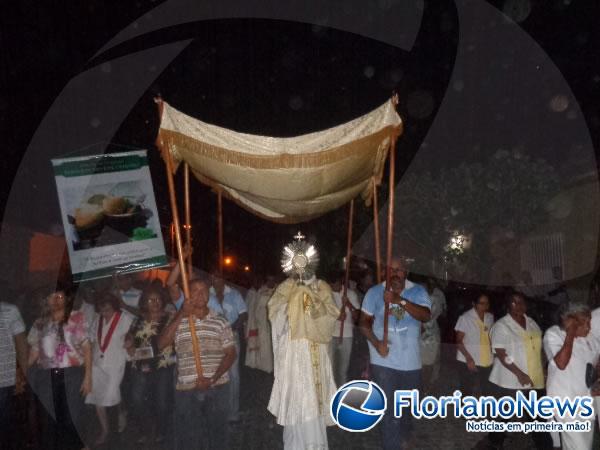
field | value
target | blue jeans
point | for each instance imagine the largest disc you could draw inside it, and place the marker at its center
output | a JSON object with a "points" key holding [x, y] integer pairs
{"points": [[201, 419], [394, 431]]}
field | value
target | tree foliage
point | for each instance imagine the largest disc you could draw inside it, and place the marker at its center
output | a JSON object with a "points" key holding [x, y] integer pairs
{"points": [[507, 192]]}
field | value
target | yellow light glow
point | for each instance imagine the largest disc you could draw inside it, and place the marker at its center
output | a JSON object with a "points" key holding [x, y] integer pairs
{"points": [[246, 268], [228, 261]]}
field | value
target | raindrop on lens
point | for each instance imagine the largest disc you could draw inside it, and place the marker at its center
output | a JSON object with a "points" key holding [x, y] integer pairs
{"points": [[458, 85], [517, 10], [420, 104], [296, 103], [559, 103]]}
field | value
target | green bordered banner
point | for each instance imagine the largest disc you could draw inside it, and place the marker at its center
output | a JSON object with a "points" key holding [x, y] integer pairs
{"points": [[109, 214]]}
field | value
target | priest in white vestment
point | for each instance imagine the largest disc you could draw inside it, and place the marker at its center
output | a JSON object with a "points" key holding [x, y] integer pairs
{"points": [[303, 315], [259, 349]]}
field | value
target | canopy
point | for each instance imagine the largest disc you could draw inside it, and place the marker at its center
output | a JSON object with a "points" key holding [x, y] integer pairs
{"points": [[286, 180]]}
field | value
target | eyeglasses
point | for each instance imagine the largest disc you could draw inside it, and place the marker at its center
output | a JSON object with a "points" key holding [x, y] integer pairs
{"points": [[154, 300]]}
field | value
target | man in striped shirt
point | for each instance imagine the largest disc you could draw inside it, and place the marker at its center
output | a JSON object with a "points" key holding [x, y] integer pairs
{"points": [[201, 400]]}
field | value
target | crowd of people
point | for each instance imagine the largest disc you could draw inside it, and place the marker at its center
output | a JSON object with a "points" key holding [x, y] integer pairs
{"points": [[143, 357]]}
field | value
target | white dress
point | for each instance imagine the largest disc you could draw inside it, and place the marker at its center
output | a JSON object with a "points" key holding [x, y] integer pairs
{"points": [[108, 367]]}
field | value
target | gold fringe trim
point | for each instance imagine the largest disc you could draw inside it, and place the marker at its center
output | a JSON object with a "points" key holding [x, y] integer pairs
{"points": [[186, 148]]}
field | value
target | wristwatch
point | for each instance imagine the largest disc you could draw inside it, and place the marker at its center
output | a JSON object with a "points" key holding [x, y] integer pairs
{"points": [[403, 302]]}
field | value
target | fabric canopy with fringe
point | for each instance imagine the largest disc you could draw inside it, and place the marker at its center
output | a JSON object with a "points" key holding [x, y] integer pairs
{"points": [[285, 180]]}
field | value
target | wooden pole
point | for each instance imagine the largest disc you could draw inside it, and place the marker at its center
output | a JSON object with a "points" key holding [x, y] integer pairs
{"points": [[220, 229], [188, 220], [390, 231], [377, 236], [348, 256], [172, 237], [184, 275]]}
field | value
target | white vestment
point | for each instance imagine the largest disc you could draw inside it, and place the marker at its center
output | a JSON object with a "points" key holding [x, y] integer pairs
{"points": [[304, 383], [259, 350]]}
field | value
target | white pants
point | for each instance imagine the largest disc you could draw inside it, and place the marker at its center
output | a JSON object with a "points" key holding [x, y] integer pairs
{"points": [[577, 440], [310, 435], [339, 353]]}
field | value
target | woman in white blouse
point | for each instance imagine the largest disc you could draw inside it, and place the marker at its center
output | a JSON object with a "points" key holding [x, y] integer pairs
{"points": [[570, 348], [473, 349], [517, 344]]}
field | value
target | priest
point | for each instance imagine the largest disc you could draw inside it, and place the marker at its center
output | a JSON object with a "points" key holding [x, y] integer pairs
{"points": [[303, 315], [259, 351]]}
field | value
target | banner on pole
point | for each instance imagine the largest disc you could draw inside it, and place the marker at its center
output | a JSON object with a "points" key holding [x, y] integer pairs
{"points": [[109, 214]]}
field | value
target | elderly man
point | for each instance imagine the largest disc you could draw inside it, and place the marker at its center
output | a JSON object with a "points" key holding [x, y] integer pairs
{"points": [[201, 400], [229, 303], [397, 363]]}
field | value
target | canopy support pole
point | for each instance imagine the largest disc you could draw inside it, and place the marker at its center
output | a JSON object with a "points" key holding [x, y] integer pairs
{"points": [[220, 229], [188, 220], [377, 236], [166, 154], [348, 257], [390, 232]]}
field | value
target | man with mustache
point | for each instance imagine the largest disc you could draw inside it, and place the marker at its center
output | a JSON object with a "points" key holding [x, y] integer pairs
{"points": [[397, 364]]}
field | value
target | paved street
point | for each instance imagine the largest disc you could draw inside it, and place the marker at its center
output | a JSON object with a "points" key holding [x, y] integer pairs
{"points": [[258, 432], [257, 429]]}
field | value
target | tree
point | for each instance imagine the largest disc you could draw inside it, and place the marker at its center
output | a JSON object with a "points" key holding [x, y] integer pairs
{"points": [[451, 215]]}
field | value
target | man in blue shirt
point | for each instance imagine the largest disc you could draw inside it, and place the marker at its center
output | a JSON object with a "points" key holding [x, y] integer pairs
{"points": [[396, 365], [229, 303]]}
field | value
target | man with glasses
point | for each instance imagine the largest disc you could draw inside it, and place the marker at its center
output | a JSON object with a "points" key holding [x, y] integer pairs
{"points": [[397, 363]]}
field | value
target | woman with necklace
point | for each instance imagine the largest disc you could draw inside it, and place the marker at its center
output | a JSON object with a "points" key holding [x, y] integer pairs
{"points": [[109, 357], [61, 361], [152, 370]]}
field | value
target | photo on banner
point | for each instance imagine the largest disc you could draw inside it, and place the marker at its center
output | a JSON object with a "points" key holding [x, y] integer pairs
{"points": [[109, 214]]}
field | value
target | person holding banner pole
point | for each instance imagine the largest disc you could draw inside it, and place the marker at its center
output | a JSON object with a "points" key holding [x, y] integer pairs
{"points": [[201, 397], [395, 362]]}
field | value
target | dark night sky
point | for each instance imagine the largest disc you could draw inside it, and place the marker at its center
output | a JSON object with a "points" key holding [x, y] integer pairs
{"points": [[265, 77]]}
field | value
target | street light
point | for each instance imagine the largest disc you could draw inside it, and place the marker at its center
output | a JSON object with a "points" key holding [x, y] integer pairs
{"points": [[228, 261], [246, 268]]}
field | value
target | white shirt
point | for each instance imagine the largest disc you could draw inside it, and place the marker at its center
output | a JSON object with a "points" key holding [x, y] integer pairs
{"points": [[506, 334], [11, 324], [348, 325], [569, 382], [467, 324], [595, 331]]}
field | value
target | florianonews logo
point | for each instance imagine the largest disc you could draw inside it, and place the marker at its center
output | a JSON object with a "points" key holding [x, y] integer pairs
{"points": [[358, 405]]}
